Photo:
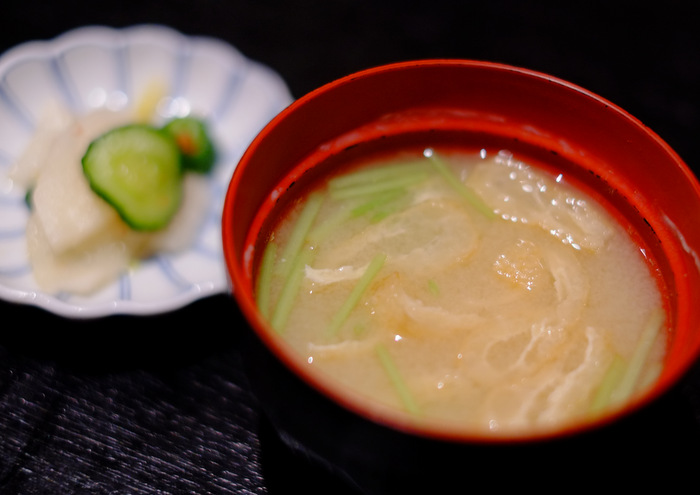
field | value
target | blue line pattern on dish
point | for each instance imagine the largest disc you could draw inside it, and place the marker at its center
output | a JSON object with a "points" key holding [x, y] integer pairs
{"points": [[15, 271], [218, 193], [231, 90], [205, 249], [12, 234], [218, 190], [61, 77], [182, 62], [6, 159], [70, 90], [123, 75], [63, 296], [125, 287], [13, 200], [17, 110], [166, 266], [207, 252]]}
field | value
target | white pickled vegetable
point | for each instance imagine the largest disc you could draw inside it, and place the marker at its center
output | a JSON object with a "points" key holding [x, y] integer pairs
{"points": [[66, 209], [76, 241]]}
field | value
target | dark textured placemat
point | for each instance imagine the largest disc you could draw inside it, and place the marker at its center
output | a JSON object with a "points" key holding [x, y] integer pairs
{"points": [[132, 432], [138, 406], [75, 420]]}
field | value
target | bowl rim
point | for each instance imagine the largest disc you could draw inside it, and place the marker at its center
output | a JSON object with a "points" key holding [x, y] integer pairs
{"points": [[283, 352]]}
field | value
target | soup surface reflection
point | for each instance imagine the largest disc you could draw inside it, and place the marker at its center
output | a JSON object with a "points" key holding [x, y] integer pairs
{"points": [[468, 289]]}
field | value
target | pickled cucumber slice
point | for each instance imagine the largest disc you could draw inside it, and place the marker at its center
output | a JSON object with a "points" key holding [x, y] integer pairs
{"points": [[192, 137], [138, 170]]}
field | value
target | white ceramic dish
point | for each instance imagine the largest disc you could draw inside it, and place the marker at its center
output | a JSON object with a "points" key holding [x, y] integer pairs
{"points": [[97, 66]]}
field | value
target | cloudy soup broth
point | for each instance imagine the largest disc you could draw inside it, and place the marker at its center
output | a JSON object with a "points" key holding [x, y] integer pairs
{"points": [[464, 288]]}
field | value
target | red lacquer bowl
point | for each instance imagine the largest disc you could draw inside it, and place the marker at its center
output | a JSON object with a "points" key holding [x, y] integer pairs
{"points": [[533, 115]]}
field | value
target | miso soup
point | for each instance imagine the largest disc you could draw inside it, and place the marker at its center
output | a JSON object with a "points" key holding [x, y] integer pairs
{"points": [[469, 289]]}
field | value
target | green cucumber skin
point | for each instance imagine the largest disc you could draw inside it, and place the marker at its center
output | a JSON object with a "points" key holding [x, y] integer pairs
{"points": [[199, 155], [138, 170]]}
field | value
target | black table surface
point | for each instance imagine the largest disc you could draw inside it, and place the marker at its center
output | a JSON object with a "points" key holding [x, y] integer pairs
{"points": [[161, 404]]}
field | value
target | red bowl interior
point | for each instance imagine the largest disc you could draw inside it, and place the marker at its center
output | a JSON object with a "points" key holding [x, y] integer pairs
{"points": [[547, 119]]}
